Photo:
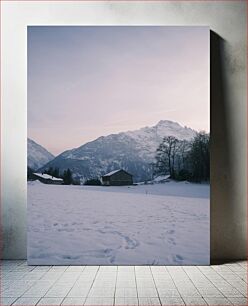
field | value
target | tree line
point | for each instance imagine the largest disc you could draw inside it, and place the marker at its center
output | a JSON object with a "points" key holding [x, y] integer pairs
{"points": [[184, 160]]}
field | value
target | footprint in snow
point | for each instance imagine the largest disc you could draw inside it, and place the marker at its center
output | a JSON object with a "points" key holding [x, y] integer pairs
{"points": [[107, 251], [131, 243], [112, 259], [178, 258], [171, 241], [70, 257], [66, 230]]}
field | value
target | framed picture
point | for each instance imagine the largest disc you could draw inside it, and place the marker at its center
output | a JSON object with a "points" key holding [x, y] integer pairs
{"points": [[118, 145]]}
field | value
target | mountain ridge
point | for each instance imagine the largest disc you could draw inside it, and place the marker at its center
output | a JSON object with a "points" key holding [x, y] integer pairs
{"points": [[38, 156], [133, 151]]}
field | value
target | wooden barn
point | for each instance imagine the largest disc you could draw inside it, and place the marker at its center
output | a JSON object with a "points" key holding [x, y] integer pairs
{"points": [[118, 177], [47, 179]]}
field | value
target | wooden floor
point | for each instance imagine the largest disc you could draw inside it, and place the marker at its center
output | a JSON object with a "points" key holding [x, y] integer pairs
{"points": [[123, 285]]}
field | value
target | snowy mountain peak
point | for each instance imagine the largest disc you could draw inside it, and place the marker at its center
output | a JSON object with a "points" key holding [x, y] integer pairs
{"points": [[162, 129], [167, 123], [37, 155]]}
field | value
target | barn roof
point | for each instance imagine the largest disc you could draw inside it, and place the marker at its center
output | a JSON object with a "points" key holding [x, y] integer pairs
{"points": [[115, 171], [48, 177]]}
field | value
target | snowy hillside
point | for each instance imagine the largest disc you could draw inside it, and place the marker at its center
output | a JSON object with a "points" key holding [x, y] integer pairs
{"points": [[37, 155], [133, 151]]}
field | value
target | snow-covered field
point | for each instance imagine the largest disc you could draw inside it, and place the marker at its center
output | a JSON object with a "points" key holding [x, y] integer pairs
{"points": [[147, 224]]}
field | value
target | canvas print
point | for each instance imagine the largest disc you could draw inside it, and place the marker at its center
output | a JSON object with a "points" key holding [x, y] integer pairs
{"points": [[118, 167]]}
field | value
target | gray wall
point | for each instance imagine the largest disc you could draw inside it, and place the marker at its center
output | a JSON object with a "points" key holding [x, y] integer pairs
{"points": [[227, 21]]}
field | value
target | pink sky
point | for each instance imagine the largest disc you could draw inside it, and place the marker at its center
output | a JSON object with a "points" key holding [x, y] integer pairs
{"points": [[85, 82]]}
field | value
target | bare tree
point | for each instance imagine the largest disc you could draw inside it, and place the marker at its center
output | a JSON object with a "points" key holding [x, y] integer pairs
{"points": [[166, 155], [184, 160]]}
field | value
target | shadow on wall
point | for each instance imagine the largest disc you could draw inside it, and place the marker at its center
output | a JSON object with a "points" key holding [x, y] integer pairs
{"points": [[222, 214]]}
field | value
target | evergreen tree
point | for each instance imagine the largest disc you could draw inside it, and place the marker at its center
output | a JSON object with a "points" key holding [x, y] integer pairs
{"points": [[67, 177], [56, 172], [199, 157]]}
